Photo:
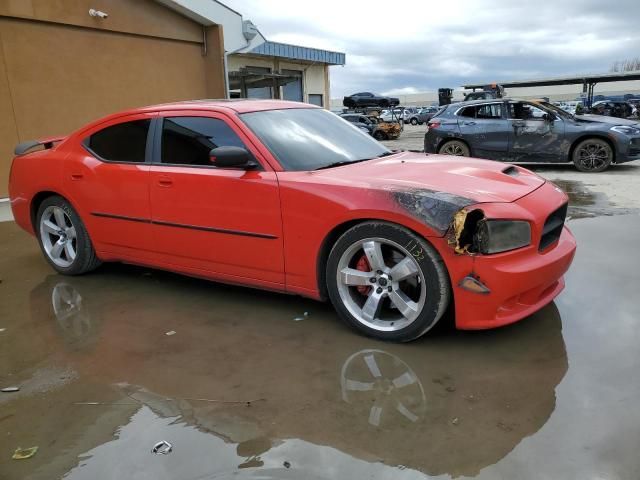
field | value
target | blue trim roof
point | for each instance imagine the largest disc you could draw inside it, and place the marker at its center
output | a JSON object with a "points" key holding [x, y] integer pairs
{"points": [[294, 52]]}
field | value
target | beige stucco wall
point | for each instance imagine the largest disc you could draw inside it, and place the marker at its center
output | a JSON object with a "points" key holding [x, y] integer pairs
{"points": [[314, 78]]}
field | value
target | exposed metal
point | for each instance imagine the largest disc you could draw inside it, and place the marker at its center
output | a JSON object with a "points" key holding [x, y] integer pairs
{"points": [[436, 209]]}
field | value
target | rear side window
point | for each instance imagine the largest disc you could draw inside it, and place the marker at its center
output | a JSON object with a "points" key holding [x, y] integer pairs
{"points": [[189, 140], [123, 142], [490, 111]]}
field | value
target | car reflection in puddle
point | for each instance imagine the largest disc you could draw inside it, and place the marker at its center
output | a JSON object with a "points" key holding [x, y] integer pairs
{"points": [[451, 403]]}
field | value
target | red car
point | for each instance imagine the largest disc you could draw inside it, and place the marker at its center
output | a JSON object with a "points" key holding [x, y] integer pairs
{"points": [[290, 197]]}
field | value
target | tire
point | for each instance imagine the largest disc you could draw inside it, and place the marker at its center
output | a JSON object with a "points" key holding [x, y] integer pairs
{"points": [[592, 155], [456, 148], [387, 309], [63, 238], [414, 121], [379, 135]]}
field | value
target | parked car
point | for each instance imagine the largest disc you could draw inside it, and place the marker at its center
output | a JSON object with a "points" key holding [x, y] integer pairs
{"points": [[373, 128], [395, 115], [421, 116], [613, 108], [527, 131], [288, 197], [368, 99]]}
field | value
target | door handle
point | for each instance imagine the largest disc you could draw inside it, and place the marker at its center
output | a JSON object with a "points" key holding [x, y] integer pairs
{"points": [[469, 123], [165, 182], [77, 176]]}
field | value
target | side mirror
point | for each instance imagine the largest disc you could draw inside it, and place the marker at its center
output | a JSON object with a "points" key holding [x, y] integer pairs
{"points": [[229, 157]]}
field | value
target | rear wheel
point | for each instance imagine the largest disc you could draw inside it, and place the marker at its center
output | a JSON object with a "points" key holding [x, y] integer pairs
{"points": [[456, 148], [592, 155], [414, 121], [387, 282], [63, 238]]}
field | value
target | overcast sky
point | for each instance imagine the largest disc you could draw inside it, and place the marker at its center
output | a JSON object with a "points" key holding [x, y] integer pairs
{"points": [[416, 46]]}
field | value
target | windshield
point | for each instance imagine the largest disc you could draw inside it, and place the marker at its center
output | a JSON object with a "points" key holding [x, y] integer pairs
{"points": [[557, 110], [311, 138]]}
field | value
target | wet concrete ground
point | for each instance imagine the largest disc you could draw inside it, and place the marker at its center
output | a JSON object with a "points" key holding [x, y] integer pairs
{"points": [[242, 390]]}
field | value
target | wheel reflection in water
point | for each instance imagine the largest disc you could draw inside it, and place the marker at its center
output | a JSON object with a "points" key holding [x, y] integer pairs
{"points": [[383, 384]]}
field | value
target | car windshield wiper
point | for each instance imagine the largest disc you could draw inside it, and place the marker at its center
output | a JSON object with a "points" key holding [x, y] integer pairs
{"points": [[348, 162]]}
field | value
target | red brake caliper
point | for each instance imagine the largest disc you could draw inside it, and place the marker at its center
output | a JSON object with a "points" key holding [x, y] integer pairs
{"points": [[363, 266]]}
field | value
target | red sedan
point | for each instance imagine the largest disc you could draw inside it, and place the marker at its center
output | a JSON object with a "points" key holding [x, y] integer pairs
{"points": [[289, 197]]}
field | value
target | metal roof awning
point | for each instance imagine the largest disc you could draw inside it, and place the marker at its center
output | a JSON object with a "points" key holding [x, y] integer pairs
{"points": [[294, 52], [575, 80]]}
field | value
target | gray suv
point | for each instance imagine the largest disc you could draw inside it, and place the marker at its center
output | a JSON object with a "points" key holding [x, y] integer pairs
{"points": [[530, 131]]}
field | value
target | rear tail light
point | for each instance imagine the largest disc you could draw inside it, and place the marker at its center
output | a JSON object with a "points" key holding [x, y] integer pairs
{"points": [[434, 124]]}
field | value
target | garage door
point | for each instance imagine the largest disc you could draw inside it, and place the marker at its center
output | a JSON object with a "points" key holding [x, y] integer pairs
{"points": [[54, 78]]}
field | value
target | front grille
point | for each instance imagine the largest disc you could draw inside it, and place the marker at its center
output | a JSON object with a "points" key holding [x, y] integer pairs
{"points": [[553, 227]]}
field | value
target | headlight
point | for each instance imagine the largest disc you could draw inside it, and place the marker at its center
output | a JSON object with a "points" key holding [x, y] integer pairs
{"points": [[494, 236], [626, 130]]}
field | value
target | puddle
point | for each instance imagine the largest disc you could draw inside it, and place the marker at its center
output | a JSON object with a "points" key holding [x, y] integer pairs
{"points": [[241, 391], [585, 203]]}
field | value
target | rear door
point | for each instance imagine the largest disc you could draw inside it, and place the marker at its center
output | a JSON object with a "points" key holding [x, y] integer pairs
{"points": [[221, 220], [486, 129], [109, 183], [534, 136]]}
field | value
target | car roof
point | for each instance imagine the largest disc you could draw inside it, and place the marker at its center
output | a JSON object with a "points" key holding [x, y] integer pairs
{"points": [[239, 105]]}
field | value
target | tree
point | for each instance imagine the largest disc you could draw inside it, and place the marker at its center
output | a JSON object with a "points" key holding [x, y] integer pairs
{"points": [[628, 65]]}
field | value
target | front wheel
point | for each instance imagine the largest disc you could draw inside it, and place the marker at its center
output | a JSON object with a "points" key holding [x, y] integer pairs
{"points": [[379, 135], [387, 282], [63, 238], [592, 155], [414, 121]]}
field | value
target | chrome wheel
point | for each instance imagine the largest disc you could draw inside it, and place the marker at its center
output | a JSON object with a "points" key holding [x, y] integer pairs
{"points": [[594, 155], [58, 235], [381, 284]]}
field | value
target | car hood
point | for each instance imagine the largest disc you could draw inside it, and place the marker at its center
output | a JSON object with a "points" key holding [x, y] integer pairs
{"points": [[470, 179], [603, 119]]}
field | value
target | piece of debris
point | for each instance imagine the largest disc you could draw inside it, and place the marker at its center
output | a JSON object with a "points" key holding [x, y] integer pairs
{"points": [[303, 317], [162, 448], [286, 464], [170, 332], [504, 426], [455, 421], [24, 453], [2, 330], [10, 389], [450, 389], [236, 402]]}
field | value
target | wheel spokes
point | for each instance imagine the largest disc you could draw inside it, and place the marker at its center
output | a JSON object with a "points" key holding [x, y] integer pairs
{"points": [[371, 308], [407, 307], [353, 277], [404, 269], [56, 249], [373, 251], [58, 214], [51, 228]]}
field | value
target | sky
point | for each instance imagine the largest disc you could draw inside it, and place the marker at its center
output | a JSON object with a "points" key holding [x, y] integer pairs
{"points": [[410, 46]]}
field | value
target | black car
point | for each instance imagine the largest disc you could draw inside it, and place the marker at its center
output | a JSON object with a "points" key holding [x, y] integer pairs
{"points": [[530, 131], [368, 99], [613, 108]]}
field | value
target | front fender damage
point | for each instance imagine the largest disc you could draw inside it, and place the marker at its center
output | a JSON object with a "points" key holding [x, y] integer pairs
{"points": [[463, 231]]}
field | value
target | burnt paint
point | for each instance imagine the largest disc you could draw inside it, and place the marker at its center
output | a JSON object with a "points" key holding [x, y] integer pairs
{"points": [[436, 209]]}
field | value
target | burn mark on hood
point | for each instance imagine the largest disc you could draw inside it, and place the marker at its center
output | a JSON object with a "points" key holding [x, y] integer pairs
{"points": [[436, 209]]}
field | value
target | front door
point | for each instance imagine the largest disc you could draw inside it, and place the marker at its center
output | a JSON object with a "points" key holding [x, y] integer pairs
{"points": [[485, 128], [534, 135], [221, 220]]}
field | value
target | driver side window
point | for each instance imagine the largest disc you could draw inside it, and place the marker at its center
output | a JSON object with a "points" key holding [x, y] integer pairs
{"points": [[188, 140], [525, 111]]}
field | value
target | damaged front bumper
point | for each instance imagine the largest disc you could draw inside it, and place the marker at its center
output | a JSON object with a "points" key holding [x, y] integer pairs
{"points": [[499, 289]]}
